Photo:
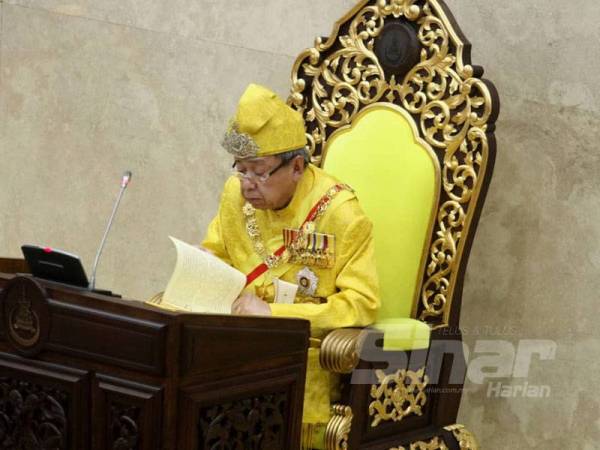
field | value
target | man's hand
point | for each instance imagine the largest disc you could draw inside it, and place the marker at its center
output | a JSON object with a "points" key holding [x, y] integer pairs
{"points": [[250, 304]]}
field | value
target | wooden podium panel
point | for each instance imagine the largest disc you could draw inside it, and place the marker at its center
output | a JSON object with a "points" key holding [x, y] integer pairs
{"points": [[80, 370]]}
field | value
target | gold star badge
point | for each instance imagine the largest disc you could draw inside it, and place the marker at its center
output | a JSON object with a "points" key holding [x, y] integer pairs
{"points": [[307, 282]]}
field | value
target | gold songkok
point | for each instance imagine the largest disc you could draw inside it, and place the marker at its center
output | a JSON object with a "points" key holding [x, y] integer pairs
{"points": [[263, 125]]}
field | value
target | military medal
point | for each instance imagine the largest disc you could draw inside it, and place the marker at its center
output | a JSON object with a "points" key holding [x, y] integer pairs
{"points": [[307, 282], [309, 227], [301, 246], [309, 248]]}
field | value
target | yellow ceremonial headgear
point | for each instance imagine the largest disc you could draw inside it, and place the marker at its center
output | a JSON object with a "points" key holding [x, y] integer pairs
{"points": [[263, 125]]}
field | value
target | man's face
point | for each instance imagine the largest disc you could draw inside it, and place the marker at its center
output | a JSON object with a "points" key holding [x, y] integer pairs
{"points": [[278, 189]]}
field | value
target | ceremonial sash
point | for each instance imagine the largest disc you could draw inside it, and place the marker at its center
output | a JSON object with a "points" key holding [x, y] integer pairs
{"points": [[312, 215]]}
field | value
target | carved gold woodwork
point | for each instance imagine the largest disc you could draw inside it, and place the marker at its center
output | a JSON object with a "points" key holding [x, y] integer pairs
{"points": [[466, 440], [451, 106], [338, 428], [398, 395], [433, 444], [339, 350]]}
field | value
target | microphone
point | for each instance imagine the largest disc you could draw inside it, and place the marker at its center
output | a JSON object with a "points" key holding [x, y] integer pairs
{"points": [[125, 179]]}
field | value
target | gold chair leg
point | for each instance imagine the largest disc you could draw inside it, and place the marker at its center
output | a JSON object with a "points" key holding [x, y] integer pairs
{"points": [[435, 443], [466, 440], [338, 428]]}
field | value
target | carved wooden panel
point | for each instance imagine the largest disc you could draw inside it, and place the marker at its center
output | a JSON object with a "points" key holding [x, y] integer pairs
{"points": [[253, 423], [124, 426], [249, 412], [42, 406], [32, 416], [99, 336], [127, 415], [146, 374], [207, 348]]}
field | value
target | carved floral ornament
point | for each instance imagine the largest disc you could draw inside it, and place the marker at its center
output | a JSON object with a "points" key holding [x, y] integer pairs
{"points": [[435, 443], [398, 395], [451, 106], [32, 415], [464, 438]]}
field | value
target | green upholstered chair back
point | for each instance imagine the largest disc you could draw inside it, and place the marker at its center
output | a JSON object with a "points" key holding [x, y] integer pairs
{"points": [[396, 176], [393, 106]]}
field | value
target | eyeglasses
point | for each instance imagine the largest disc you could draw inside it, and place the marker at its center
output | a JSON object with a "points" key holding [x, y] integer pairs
{"points": [[250, 176]]}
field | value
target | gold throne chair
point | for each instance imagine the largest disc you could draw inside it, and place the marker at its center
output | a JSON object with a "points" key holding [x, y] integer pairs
{"points": [[394, 107]]}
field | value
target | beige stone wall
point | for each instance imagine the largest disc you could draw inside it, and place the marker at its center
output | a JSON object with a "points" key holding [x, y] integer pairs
{"points": [[535, 262], [90, 88]]}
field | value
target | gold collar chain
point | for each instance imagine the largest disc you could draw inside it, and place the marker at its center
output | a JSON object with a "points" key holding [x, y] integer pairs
{"points": [[255, 236], [272, 260]]}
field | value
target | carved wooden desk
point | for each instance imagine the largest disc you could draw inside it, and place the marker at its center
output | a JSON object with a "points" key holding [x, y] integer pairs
{"points": [[86, 371]]}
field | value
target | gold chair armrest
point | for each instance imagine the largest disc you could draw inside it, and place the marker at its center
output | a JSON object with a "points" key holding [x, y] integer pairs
{"points": [[340, 350]]}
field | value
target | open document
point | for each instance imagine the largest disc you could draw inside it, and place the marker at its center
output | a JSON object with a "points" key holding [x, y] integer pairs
{"points": [[201, 282]]}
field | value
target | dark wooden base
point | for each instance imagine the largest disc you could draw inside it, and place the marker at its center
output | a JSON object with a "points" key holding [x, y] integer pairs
{"points": [[81, 371]]}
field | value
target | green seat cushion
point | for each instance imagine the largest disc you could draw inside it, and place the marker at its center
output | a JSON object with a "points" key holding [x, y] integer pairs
{"points": [[404, 334], [396, 176]]}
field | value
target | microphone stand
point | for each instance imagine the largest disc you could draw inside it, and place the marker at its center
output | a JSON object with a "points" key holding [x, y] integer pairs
{"points": [[124, 183]]}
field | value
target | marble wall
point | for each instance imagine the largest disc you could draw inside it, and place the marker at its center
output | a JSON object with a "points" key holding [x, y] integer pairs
{"points": [[89, 89]]}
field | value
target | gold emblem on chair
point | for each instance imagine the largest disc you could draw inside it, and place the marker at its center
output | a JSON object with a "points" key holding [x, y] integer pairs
{"points": [[398, 395]]}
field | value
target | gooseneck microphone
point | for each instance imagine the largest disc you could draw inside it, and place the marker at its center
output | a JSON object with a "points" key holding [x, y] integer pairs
{"points": [[124, 182]]}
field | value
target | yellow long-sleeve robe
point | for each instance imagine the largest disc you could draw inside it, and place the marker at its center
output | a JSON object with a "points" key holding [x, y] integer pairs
{"points": [[348, 291]]}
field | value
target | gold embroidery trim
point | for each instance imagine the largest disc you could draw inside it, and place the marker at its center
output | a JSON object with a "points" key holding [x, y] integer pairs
{"points": [[253, 230]]}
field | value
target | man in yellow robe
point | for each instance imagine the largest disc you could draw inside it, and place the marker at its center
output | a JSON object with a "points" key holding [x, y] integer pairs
{"points": [[282, 219]]}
